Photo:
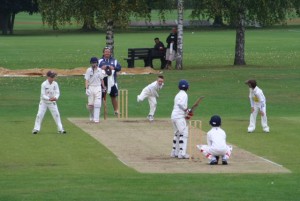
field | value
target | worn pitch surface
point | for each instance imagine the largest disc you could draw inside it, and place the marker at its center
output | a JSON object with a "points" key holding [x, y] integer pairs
{"points": [[146, 147]]}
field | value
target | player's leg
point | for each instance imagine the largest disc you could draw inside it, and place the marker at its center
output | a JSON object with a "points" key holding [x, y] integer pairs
{"points": [[90, 106], [183, 137], [175, 147], [39, 117], [56, 116], [226, 156], [97, 103], [114, 98], [142, 95], [264, 121], [168, 62], [204, 149], [252, 123], [152, 106]]}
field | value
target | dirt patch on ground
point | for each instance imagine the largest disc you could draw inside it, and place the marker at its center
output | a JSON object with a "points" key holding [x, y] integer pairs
{"points": [[146, 147], [70, 72]]}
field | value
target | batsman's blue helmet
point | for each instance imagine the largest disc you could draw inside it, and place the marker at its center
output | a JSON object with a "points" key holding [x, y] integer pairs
{"points": [[183, 85], [94, 60], [215, 121]]}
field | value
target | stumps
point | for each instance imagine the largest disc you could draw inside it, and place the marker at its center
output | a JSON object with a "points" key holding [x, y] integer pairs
{"points": [[123, 103], [195, 138]]}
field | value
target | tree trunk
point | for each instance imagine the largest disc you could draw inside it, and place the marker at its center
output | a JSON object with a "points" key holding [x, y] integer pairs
{"points": [[218, 21], [4, 23], [110, 35], [240, 41], [89, 24], [179, 52], [11, 23]]}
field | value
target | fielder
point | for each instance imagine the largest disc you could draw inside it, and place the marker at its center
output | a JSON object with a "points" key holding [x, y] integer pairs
{"points": [[151, 92], [179, 115], [216, 143], [258, 104], [49, 95], [93, 89]]}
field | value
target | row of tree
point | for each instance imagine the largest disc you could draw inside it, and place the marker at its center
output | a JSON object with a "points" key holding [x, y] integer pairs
{"points": [[107, 14]]}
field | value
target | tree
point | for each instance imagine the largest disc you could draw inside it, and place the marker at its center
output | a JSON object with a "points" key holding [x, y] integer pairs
{"points": [[179, 52], [106, 14], [8, 10], [118, 13], [61, 12], [239, 13]]}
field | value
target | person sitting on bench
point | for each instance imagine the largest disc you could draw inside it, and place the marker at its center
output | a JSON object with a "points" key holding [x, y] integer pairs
{"points": [[159, 51]]}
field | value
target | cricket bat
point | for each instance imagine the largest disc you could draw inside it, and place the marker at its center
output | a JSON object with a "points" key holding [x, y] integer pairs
{"points": [[193, 108], [105, 106]]}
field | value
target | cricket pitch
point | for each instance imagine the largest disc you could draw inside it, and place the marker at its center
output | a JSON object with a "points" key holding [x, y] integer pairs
{"points": [[146, 147]]}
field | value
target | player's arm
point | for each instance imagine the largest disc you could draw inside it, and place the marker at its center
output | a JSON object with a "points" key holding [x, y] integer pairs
{"points": [[56, 94], [117, 66], [103, 85], [86, 84], [43, 93]]}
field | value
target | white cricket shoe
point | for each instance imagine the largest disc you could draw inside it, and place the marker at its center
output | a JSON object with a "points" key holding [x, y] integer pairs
{"points": [[173, 154], [150, 117], [186, 156]]}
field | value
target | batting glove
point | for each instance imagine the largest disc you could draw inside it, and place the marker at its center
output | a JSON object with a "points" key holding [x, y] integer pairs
{"points": [[87, 92]]}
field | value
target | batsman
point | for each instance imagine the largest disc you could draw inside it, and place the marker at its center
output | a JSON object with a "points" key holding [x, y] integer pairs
{"points": [[93, 82], [179, 117]]}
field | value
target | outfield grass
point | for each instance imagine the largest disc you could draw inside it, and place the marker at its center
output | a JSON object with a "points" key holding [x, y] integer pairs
{"points": [[267, 48], [272, 47], [49, 166]]}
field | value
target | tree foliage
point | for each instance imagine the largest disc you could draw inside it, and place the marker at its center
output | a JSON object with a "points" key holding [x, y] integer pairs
{"points": [[8, 10], [99, 13], [239, 13]]}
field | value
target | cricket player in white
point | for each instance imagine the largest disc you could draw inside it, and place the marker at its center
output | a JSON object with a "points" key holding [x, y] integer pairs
{"points": [[258, 104], [151, 92], [93, 82], [49, 95], [180, 126], [216, 143]]}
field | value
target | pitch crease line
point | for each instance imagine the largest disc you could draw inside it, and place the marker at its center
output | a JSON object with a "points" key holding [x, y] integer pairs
{"points": [[271, 161]]}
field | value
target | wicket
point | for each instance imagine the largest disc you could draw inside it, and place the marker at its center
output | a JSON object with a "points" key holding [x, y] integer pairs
{"points": [[123, 107], [195, 137]]}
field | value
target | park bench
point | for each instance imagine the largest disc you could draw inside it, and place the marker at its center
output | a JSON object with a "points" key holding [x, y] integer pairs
{"points": [[140, 54]]}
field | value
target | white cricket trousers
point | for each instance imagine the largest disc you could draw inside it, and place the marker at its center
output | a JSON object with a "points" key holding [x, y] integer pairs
{"points": [[151, 100], [211, 152], [95, 100], [41, 113], [181, 134], [264, 120]]}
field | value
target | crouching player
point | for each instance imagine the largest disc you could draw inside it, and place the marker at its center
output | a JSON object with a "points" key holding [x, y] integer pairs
{"points": [[216, 143], [93, 82]]}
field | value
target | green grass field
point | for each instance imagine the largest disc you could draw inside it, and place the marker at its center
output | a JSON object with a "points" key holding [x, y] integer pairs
{"points": [[75, 166]]}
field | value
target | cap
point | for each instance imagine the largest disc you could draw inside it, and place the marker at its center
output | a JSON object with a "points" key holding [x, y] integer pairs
{"points": [[51, 74], [94, 60]]}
